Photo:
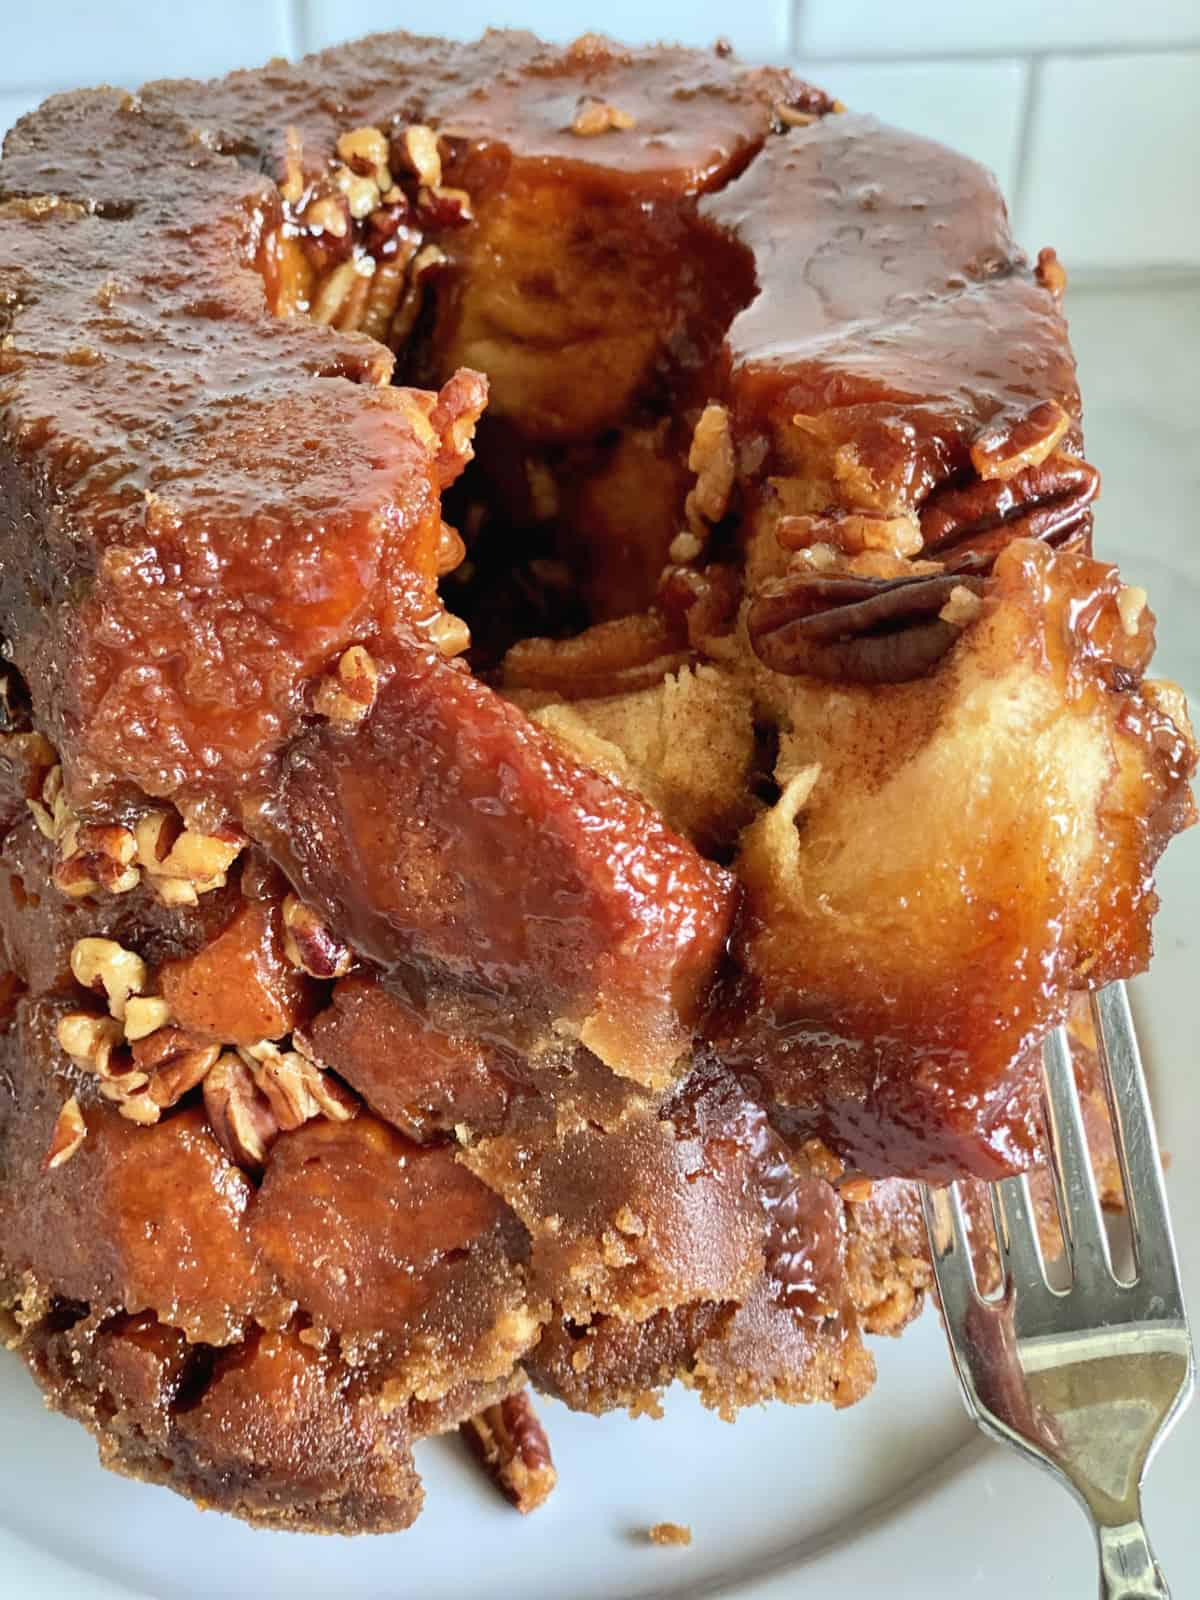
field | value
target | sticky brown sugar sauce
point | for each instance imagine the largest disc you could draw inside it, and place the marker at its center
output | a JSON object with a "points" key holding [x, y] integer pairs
{"points": [[553, 642]]}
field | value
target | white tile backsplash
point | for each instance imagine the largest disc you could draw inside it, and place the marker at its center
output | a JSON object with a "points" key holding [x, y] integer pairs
{"points": [[943, 27], [757, 28], [70, 42], [1103, 154], [1112, 161], [974, 106]]}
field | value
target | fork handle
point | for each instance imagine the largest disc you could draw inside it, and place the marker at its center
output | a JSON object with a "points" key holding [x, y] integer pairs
{"points": [[1128, 1570]]}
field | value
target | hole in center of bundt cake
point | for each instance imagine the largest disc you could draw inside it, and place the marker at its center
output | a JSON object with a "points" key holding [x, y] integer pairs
{"points": [[601, 471]]}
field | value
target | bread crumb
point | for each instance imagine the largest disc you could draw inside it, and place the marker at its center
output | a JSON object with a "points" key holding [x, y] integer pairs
{"points": [[670, 1533]]}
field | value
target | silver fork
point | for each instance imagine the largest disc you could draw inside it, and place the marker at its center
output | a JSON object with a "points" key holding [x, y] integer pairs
{"points": [[1085, 1380]]}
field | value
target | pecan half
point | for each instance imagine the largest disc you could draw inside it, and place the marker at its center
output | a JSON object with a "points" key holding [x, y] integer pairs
{"points": [[1012, 443], [967, 526], [858, 630], [511, 1443]]}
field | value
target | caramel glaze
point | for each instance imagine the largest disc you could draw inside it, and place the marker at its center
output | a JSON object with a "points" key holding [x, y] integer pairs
{"points": [[890, 294], [206, 503]]}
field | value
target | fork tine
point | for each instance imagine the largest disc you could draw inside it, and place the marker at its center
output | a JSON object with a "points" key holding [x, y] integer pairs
{"points": [[1071, 1165], [1017, 1236], [951, 1252], [1137, 1144]]}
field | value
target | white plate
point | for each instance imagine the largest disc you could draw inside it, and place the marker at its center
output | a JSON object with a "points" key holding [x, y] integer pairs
{"points": [[898, 1496]]}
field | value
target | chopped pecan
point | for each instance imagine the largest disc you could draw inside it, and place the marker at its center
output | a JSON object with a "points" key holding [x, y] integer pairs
{"points": [[685, 547], [702, 603], [856, 1190], [967, 526], [181, 863], [333, 296], [1131, 602], [349, 692], [365, 151], [90, 1040], [175, 1061], [963, 606], [851, 531], [1012, 443], [384, 292], [70, 1130], [239, 1115], [787, 116], [92, 857], [292, 184], [102, 965], [362, 193], [1051, 273], [382, 228], [135, 1105], [859, 630], [450, 633], [511, 1443], [97, 1045], [428, 261], [450, 549], [669, 1533], [51, 811], [443, 207], [329, 214], [144, 1015], [593, 116], [296, 1088], [309, 945], [711, 458], [328, 237], [415, 150]]}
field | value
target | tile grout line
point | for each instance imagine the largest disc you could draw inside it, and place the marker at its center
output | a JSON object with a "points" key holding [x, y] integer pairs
{"points": [[795, 27], [964, 57], [297, 27], [1034, 74]]}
